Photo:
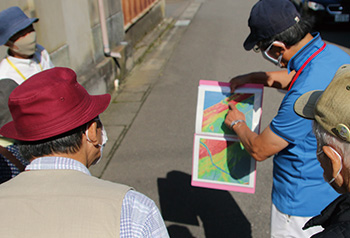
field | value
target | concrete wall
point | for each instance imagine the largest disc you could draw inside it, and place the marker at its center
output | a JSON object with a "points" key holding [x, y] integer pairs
{"points": [[71, 32]]}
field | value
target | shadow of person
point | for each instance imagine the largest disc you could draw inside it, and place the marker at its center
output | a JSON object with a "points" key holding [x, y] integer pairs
{"points": [[239, 161], [218, 211]]}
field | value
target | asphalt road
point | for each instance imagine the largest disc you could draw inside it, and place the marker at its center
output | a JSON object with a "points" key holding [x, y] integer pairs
{"points": [[155, 154]]}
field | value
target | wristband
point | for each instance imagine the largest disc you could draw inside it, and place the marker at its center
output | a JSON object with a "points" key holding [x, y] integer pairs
{"points": [[236, 122]]}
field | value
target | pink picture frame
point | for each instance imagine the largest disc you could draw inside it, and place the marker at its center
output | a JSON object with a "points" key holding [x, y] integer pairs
{"points": [[219, 159]]}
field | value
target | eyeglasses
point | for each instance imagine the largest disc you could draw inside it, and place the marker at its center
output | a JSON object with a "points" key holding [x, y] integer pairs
{"points": [[272, 53]]}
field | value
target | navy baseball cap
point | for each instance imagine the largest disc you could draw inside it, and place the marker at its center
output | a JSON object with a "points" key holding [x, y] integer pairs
{"points": [[269, 18], [13, 20]]}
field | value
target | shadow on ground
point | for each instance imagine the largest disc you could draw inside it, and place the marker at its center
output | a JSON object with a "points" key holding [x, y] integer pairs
{"points": [[216, 209]]}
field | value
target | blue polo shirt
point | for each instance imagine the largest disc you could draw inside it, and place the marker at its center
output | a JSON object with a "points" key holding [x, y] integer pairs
{"points": [[298, 185]]}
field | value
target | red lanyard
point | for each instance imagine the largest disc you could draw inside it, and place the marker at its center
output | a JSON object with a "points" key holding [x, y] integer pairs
{"points": [[295, 77]]}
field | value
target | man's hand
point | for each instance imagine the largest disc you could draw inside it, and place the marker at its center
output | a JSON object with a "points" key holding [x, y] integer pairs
{"points": [[238, 81], [233, 114], [275, 79], [260, 147]]}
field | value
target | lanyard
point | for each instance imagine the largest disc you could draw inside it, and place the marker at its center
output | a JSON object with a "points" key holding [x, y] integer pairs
{"points": [[17, 70], [295, 77]]}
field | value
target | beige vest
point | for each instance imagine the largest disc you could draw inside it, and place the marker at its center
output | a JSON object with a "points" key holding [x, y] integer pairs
{"points": [[60, 203]]}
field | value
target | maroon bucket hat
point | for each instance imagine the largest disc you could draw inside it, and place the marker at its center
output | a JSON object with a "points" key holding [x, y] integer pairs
{"points": [[50, 103]]}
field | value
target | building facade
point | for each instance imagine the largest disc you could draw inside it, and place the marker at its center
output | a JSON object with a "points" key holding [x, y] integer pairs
{"points": [[93, 37]]}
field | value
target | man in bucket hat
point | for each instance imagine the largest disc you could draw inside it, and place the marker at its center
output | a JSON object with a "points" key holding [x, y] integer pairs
{"points": [[59, 131], [24, 56], [331, 114], [283, 37]]}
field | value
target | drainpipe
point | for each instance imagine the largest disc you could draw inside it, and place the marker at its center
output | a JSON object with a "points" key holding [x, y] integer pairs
{"points": [[106, 49]]}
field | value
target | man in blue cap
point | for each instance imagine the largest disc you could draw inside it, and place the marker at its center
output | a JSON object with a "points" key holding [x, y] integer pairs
{"points": [[285, 39], [24, 57]]}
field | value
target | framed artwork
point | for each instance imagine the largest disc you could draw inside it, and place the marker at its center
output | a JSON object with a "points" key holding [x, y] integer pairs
{"points": [[219, 159]]}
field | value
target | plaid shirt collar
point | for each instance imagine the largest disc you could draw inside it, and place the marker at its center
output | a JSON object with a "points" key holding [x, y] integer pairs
{"points": [[57, 163]]}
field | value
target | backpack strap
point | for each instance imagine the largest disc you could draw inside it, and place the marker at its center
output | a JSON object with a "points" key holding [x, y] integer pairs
{"points": [[8, 154]]}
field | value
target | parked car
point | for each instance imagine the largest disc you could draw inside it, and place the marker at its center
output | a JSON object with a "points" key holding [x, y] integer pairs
{"points": [[325, 11]]}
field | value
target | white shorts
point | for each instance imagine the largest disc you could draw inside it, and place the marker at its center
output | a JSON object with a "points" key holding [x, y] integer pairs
{"points": [[283, 225]]}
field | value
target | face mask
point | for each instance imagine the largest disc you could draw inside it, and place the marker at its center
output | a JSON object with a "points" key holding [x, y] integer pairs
{"points": [[26, 45], [341, 165], [104, 141]]}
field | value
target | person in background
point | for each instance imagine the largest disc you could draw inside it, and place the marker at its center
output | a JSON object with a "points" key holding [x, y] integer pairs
{"points": [[11, 161], [330, 112], [284, 38], [24, 56], [56, 123]]}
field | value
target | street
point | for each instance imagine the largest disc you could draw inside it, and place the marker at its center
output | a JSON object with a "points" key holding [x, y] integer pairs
{"points": [[154, 151]]}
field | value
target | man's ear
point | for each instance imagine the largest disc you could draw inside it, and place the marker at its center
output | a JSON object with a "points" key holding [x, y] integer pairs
{"points": [[92, 133], [283, 47], [336, 162]]}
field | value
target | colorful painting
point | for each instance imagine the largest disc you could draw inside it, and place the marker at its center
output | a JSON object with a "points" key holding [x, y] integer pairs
{"points": [[219, 158], [223, 161], [215, 108]]}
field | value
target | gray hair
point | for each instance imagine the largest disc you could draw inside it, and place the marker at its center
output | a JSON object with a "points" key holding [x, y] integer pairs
{"points": [[325, 138]]}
